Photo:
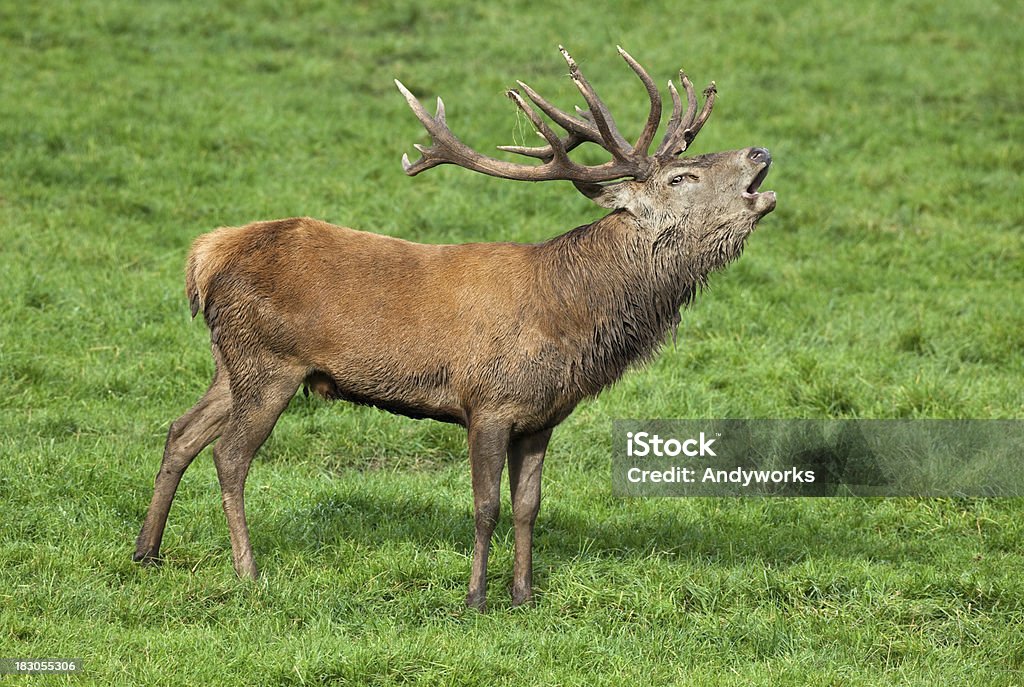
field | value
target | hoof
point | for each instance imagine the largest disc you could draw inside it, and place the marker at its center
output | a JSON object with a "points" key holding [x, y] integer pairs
{"points": [[523, 600], [477, 602], [247, 571], [147, 558]]}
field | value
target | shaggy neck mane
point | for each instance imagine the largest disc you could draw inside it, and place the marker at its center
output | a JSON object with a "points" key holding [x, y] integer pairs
{"points": [[615, 294]]}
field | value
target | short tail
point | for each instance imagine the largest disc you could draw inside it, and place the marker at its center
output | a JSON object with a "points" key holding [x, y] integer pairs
{"points": [[195, 297], [215, 254], [203, 264]]}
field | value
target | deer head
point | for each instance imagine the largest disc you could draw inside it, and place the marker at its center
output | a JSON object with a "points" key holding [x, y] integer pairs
{"points": [[707, 200]]}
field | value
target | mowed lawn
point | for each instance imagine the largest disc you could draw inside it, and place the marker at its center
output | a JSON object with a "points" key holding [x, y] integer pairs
{"points": [[887, 284]]}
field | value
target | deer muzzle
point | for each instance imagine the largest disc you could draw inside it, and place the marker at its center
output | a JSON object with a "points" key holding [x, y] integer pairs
{"points": [[763, 201]]}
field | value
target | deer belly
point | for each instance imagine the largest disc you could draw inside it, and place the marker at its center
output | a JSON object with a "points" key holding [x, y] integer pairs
{"points": [[417, 395]]}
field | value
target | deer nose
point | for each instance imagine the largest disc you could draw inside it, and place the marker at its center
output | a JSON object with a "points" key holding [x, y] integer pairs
{"points": [[760, 155]]}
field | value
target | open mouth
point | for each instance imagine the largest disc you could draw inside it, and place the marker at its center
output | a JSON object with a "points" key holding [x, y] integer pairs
{"points": [[752, 189]]}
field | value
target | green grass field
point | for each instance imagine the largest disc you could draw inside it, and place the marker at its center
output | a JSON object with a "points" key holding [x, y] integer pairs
{"points": [[887, 284]]}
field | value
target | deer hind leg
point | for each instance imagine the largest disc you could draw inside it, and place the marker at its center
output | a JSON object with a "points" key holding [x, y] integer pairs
{"points": [[188, 435], [525, 459], [255, 411]]}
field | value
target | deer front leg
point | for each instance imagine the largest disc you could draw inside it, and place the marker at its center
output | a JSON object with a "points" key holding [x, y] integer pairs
{"points": [[488, 445], [525, 459]]}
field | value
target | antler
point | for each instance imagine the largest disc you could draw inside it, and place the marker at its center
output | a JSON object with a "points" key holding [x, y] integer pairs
{"points": [[682, 130], [594, 125]]}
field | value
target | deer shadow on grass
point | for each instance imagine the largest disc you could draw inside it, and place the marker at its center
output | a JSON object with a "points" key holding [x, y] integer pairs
{"points": [[786, 534]]}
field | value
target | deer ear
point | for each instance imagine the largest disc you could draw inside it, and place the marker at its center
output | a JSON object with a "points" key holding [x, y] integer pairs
{"points": [[611, 196]]}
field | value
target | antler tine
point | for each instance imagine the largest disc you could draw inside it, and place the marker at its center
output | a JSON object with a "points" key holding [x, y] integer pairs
{"points": [[545, 152], [691, 99], [429, 123], [678, 124], [583, 128], [447, 149], [555, 144], [709, 102], [674, 120], [643, 143], [612, 140]]}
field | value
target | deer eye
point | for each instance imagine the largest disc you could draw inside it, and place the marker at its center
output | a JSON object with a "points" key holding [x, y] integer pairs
{"points": [[680, 178]]}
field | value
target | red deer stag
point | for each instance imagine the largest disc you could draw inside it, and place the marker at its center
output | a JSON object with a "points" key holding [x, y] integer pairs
{"points": [[503, 339]]}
